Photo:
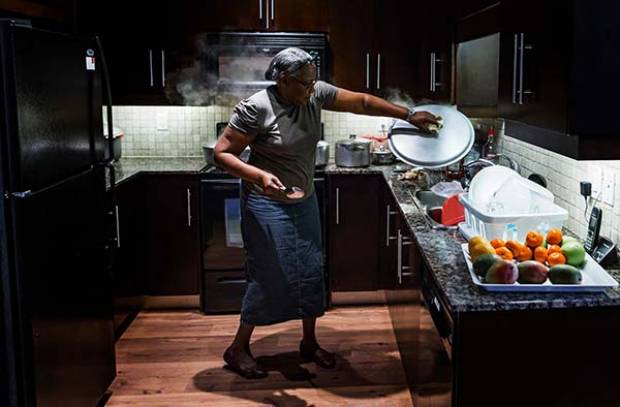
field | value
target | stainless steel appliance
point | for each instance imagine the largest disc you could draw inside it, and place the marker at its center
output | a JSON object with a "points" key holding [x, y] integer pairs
{"points": [[322, 154], [235, 62], [223, 256], [57, 333]]}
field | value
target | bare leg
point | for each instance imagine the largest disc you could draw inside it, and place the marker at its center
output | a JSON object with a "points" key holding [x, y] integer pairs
{"points": [[238, 355], [309, 325], [242, 338], [309, 347]]}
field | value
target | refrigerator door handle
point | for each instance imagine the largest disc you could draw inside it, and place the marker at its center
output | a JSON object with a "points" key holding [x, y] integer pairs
{"points": [[108, 102]]}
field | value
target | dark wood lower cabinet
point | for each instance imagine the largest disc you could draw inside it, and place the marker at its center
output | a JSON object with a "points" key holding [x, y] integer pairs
{"points": [[534, 357], [128, 271], [352, 252], [173, 235]]}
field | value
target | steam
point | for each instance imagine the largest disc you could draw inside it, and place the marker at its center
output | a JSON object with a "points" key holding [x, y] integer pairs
{"points": [[194, 85], [398, 97]]}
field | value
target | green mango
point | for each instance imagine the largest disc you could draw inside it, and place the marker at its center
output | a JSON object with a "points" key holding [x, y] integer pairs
{"points": [[484, 262], [574, 252], [565, 274]]}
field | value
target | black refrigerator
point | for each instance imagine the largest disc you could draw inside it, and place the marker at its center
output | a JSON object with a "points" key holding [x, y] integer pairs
{"points": [[57, 335]]}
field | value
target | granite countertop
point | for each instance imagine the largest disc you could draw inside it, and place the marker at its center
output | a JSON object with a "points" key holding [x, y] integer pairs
{"points": [[126, 168], [443, 255]]}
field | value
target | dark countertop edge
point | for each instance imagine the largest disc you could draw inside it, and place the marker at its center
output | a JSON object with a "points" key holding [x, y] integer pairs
{"points": [[129, 168], [417, 226]]}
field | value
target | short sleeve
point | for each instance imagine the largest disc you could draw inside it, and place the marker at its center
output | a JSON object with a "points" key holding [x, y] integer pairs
{"points": [[245, 118], [325, 94]]}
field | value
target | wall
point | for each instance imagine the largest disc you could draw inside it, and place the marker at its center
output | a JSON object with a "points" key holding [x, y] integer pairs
{"points": [[563, 176], [189, 127]]}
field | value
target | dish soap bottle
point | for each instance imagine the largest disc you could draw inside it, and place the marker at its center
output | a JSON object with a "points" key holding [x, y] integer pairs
{"points": [[489, 149]]}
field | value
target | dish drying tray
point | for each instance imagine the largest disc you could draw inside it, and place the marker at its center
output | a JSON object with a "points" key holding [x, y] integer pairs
{"points": [[595, 279]]}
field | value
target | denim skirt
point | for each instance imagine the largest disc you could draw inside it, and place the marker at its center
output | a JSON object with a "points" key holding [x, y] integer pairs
{"points": [[284, 261]]}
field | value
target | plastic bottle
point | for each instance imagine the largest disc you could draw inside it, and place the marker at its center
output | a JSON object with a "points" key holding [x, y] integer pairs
{"points": [[489, 149]]}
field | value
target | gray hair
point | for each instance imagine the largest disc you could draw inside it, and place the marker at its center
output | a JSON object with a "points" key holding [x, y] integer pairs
{"points": [[287, 61]]}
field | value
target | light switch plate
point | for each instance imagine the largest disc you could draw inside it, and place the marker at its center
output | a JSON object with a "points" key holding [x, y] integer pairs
{"points": [[609, 184], [161, 120], [595, 176]]}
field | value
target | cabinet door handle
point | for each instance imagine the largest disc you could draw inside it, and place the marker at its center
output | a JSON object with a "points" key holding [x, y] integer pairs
{"points": [[432, 82], [267, 14], [260, 9], [521, 57], [378, 71], [273, 10], [399, 257], [189, 208], [163, 68], [151, 68], [337, 206], [118, 227], [367, 70], [515, 68], [388, 213]]}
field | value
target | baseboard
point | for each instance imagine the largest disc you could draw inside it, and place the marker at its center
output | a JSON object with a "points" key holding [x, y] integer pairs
{"points": [[172, 301], [358, 297]]}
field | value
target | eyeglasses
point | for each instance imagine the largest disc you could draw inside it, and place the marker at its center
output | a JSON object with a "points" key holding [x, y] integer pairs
{"points": [[307, 85]]}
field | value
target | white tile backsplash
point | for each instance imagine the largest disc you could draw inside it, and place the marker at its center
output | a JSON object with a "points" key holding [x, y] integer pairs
{"points": [[189, 127], [563, 176]]}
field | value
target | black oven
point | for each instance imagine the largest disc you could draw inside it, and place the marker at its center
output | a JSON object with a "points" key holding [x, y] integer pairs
{"points": [[223, 256], [235, 62]]}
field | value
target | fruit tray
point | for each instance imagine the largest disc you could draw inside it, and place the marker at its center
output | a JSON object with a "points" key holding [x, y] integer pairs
{"points": [[595, 279]]}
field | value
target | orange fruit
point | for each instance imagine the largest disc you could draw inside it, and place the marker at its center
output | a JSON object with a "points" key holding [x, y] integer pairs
{"points": [[498, 243], [556, 258], [554, 236], [504, 253], [554, 248], [540, 254], [533, 239], [514, 246], [525, 253]]}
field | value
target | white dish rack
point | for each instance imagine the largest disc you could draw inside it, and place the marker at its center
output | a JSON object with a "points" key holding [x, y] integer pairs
{"points": [[511, 226]]}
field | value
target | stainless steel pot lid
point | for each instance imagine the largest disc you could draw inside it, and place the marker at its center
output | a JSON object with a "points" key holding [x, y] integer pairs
{"points": [[353, 141], [449, 145]]}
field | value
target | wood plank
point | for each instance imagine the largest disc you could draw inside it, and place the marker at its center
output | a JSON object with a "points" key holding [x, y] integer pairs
{"points": [[174, 358]]}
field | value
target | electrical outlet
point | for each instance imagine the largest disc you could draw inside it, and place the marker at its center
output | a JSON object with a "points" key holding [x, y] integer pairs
{"points": [[595, 176], [609, 183], [161, 120]]}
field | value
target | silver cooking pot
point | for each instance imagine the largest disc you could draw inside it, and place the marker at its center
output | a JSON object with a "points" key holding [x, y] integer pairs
{"points": [[353, 152], [208, 152], [322, 154]]}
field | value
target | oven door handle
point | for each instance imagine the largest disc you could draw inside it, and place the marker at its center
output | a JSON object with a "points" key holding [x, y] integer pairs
{"points": [[220, 181]]}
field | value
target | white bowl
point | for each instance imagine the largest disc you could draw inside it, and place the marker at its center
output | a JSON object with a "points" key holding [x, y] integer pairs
{"points": [[486, 182]]}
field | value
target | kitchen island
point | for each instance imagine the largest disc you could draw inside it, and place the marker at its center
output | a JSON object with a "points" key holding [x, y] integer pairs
{"points": [[505, 349]]}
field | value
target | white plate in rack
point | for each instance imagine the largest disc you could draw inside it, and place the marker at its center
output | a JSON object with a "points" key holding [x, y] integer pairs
{"points": [[595, 279]]}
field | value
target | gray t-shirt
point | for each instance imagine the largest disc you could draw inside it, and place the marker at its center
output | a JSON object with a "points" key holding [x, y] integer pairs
{"points": [[284, 137]]}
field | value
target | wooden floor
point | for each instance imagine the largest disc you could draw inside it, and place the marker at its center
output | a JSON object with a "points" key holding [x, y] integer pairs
{"points": [[174, 359]]}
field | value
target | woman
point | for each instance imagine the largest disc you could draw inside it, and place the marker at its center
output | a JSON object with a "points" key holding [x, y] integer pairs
{"points": [[280, 217]]}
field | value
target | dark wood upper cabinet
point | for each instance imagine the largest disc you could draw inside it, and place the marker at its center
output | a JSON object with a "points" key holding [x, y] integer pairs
{"points": [[352, 56], [385, 48], [558, 76], [299, 15]]}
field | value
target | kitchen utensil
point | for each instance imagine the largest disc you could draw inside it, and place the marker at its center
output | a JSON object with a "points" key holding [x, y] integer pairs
{"points": [[452, 211], [208, 148], [486, 182], [293, 192], [381, 154], [321, 157], [539, 179], [433, 150], [353, 152]]}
